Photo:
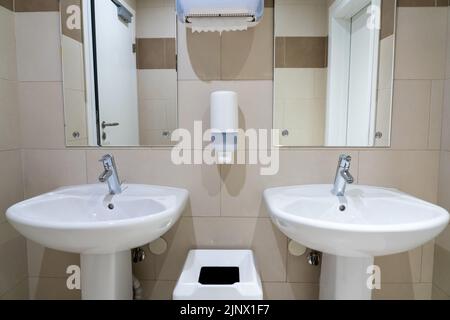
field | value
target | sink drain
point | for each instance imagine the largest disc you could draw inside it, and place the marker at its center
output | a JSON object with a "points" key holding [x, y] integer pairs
{"points": [[342, 208], [110, 206]]}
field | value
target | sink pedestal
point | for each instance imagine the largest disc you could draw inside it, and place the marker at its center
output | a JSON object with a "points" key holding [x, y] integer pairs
{"points": [[106, 276], [344, 278]]}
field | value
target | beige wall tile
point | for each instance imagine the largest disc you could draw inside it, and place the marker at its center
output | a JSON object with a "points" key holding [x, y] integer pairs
{"points": [[13, 264], [11, 187], [9, 120], [248, 55], [300, 271], [38, 46], [404, 291], [394, 168], [156, 19], [419, 55], [441, 276], [155, 167], [386, 63], [44, 262], [145, 270], [444, 181], [51, 289], [401, 268], [243, 186], [290, 291], [436, 107], [41, 114], [411, 114], [444, 239], [301, 18], [7, 233], [19, 292], [267, 242], [438, 294], [46, 170], [158, 290], [198, 55], [8, 63], [446, 118], [75, 115], [73, 63]]}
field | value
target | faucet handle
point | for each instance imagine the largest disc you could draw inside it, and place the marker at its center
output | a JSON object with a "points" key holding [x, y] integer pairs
{"points": [[345, 157], [344, 161], [107, 160]]}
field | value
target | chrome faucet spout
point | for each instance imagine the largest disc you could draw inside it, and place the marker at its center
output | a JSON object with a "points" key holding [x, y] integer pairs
{"points": [[110, 175], [343, 176]]}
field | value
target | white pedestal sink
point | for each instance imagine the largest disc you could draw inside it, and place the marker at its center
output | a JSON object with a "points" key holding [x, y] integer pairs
{"points": [[101, 227], [352, 230]]}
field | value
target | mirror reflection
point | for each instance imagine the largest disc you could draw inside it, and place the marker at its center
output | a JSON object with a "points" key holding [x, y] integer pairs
{"points": [[333, 77], [120, 72]]}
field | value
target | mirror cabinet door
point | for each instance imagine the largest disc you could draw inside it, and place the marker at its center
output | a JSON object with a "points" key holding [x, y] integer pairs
{"points": [[119, 72]]}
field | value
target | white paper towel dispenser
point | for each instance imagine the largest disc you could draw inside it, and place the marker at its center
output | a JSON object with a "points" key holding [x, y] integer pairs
{"points": [[220, 15], [224, 124]]}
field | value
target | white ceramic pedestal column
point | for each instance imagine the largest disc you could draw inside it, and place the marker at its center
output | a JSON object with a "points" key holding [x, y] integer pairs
{"points": [[107, 276], [344, 278]]}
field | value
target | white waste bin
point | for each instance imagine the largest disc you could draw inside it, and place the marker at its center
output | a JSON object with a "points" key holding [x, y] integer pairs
{"points": [[219, 275]]}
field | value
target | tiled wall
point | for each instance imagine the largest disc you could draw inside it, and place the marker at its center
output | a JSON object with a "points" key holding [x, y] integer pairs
{"points": [[13, 257], [441, 279], [157, 75], [300, 74], [226, 208]]}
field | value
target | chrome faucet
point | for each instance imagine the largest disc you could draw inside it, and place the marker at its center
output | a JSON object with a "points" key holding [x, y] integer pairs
{"points": [[110, 174], [343, 175]]}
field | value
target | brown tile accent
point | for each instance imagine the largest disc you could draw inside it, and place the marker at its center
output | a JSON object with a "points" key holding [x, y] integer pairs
{"points": [[416, 3], [442, 3], [8, 4], [301, 52], [388, 10], [76, 34], [156, 53], [280, 48], [36, 5], [268, 3]]}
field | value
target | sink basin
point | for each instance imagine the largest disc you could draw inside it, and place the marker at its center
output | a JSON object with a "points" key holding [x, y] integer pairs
{"points": [[351, 230], [87, 220], [101, 227]]}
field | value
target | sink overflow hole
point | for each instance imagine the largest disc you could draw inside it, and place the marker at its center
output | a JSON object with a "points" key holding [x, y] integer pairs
{"points": [[110, 206], [342, 208]]}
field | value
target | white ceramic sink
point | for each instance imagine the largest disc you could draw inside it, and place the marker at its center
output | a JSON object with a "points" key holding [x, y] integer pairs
{"points": [[101, 227], [351, 230]]}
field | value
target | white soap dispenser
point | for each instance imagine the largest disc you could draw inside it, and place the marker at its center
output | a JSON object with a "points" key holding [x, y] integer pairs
{"points": [[224, 124]]}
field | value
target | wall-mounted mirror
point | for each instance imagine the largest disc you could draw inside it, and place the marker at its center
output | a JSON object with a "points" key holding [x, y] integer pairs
{"points": [[334, 66], [119, 72]]}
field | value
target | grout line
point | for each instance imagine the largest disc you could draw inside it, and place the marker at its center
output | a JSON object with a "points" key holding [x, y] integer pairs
{"points": [[19, 282]]}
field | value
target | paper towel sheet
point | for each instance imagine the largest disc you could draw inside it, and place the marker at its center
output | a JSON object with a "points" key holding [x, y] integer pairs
{"points": [[219, 24]]}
